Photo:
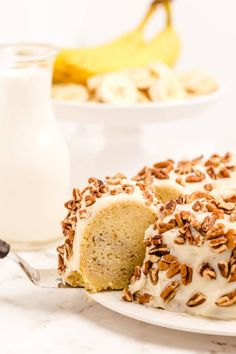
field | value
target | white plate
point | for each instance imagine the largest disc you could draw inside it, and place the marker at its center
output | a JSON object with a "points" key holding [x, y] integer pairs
{"points": [[135, 113], [163, 318]]}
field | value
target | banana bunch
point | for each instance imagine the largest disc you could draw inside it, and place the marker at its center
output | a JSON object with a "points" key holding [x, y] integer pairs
{"points": [[129, 50]]}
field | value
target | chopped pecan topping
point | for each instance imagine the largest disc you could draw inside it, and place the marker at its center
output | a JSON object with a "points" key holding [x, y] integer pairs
{"points": [[116, 191], [127, 296], [231, 239], [160, 250], [169, 292], [218, 213], [232, 217], [173, 269], [207, 271], [154, 259], [208, 187], [180, 181], [211, 206], [197, 177], [186, 273], [179, 240], [168, 165], [82, 213], [186, 232], [89, 200], [147, 266], [170, 206], [232, 273], [184, 167], [76, 194], [154, 240], [180, 200], [227, 299], [137, 273], [207, 223], [211, 172], [144, 298], [215, 231], [128, 188], [60, 249], [223, 173], [199, 206], [214, 161], [179, 220], [196, 300], [153, 274], [227, 207], [163, 227], [224, 269], [166, 261], [160, 173], [61, 265], [231, 199]]}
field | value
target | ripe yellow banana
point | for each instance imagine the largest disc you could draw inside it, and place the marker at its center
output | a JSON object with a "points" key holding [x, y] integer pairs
{"points": [[129, 50]]}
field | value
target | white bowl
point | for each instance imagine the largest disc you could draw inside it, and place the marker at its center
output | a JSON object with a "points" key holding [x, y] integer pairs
{"points": [[90, 112]]}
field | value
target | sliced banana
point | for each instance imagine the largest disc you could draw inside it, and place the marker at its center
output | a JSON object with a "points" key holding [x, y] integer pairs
{"points": [[160, 70], [198, 82], [143, 97], [94, 81], [117, 88], [70, 92], [166, 88], [141, 77]]}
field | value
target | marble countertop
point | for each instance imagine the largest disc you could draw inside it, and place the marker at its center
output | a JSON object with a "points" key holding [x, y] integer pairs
{"points": [[64, 321]]}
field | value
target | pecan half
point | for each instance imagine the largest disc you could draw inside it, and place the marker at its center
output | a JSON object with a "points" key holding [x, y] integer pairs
{"points": [[179, 240], [163, 227], [173, 269], [166, 261], [208, 187], [169, 292], [186, 273], [170, 206], [232, 217], [207, 271], [160, 250], [147, 266], [127, 296], [198, 177], [184, 167], [208, 222], [215, 231], [144, 298], [232, 274], [223, 268], [153, 274], [227, 299], [231, 239], [196, 300]]}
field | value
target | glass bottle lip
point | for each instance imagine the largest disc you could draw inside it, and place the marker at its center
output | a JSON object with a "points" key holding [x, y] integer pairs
{"points": [[26, 53]]}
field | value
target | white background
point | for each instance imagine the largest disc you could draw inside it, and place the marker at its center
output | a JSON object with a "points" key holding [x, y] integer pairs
{"points": [[207, 29]]}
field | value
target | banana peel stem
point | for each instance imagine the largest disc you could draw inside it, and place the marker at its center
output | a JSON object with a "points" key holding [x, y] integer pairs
{"points": [[152, 9]]}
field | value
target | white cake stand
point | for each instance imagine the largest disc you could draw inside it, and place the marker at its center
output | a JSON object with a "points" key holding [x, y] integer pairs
{"points": [[105, 138]]}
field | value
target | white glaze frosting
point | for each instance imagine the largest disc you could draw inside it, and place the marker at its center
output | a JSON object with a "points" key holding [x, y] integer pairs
{"points": [[193, 256]]}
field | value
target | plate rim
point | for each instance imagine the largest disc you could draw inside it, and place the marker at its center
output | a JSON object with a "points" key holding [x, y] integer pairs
{"points": [[100, 299]]}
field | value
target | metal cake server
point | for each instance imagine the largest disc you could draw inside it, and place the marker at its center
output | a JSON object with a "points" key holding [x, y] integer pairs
{"points": [[47, 278]]}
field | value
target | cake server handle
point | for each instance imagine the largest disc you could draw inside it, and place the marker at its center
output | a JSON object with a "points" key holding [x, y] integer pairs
{"points": [[46, 278], [32, 274]]}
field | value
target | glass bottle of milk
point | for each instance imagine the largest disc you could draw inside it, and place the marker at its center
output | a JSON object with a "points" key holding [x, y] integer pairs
{"points": [[34, 160]]}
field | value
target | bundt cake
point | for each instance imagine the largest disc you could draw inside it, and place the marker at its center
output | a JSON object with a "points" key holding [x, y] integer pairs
{"points": [[170, 179], [104, 232], [190, 262]]}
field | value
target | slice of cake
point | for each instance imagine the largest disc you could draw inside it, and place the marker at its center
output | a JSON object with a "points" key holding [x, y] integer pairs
{"points": [[104, 231], [190, 262], [170, 179]]}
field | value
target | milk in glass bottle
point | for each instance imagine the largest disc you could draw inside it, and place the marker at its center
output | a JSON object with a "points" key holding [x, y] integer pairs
{"points": [[34, 160]]}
